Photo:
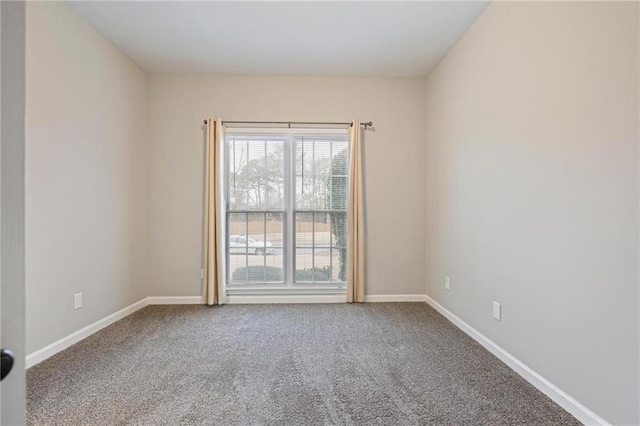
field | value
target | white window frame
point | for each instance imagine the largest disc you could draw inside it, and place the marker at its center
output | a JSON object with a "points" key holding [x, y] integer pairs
{"points": [[288, 286]]}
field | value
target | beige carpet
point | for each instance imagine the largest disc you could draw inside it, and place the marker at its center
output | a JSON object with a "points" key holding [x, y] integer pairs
{"points": [[366, 364]]}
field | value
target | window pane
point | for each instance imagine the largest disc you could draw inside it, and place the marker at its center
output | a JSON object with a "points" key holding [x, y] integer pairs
{"points": [[318, 258], [339, 242], [255, 172], [255, 247], [236, 244], [339, 178], [304, 173], [321, 172], [304, 247]]}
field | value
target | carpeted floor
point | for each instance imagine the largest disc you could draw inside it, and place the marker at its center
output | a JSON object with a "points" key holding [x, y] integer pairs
{"points": [[365, 364]]}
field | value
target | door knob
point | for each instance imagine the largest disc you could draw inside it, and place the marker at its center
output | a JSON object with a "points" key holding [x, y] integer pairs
{"points": [[7, 363]]}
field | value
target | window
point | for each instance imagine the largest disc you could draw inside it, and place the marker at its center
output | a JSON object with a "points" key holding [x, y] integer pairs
{"points": [[286, 209]]}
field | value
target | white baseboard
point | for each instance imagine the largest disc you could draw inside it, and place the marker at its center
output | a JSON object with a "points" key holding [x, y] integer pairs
{"points": [[59, 345], [73, 338], [267, 299], [556, 394], [374, 298], [176, 300]]}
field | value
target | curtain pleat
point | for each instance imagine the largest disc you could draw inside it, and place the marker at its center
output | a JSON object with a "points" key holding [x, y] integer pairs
{"points": [[356, 251], [213, 254]]}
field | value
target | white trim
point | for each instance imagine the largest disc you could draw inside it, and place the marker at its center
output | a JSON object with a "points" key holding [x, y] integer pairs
{"points": [[73, 338], [560, 397], [175, 300], [395, 298], [255, 300]]}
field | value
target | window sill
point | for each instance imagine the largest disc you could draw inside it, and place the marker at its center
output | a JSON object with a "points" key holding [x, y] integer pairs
{"points": [[301, 290], [280, 298]]}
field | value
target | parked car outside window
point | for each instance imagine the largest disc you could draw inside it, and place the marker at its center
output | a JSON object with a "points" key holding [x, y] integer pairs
{"points": [[241, 244]]}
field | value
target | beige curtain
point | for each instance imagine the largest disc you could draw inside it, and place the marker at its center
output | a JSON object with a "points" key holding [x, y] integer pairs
{"points": [[355, 252], [213, 269]]}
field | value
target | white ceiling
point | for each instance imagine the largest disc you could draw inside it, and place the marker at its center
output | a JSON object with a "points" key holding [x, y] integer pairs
{"points": [[284, 38]]}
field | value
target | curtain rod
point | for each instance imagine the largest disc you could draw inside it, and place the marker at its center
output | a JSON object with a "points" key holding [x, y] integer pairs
{"points": [[289, 123]]}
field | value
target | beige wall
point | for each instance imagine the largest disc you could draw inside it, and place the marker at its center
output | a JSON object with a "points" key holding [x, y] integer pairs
{"points": [[394, 158], [532, 192], [86, 175]]}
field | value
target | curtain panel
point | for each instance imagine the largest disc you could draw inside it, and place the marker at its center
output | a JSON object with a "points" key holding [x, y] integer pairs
{"points": [[213, 280], [356, 249]]}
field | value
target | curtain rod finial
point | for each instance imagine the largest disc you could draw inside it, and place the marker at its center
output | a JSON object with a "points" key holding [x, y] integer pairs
{"points": [[205, 121]]}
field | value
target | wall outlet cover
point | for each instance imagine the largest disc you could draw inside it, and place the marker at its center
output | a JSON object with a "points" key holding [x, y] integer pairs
{"points": [[77, 301], [447, 283], [497, 311]]}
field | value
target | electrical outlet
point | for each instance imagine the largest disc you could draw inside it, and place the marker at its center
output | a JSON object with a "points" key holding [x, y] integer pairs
{"points": [[77, 301], [447, 283], [497, 311]]}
